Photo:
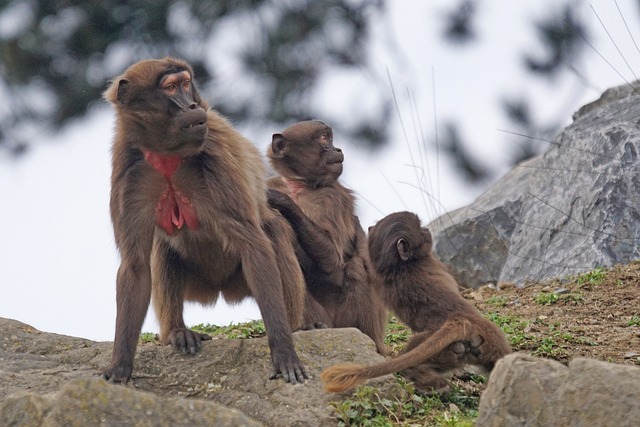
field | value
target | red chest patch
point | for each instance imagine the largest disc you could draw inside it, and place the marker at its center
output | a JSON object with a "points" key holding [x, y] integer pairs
{"points": [[174, 209], [295, 187]]}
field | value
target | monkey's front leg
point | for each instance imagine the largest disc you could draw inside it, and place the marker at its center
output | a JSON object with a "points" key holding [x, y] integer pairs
{"points": [[264, 280], [133, 289], [169, 281]]}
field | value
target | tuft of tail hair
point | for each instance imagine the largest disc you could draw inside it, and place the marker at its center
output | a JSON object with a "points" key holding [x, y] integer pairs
{"points": [[344, 376]]}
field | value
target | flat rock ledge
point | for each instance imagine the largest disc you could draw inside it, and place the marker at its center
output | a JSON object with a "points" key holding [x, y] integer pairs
{"points": [[54, 380]]}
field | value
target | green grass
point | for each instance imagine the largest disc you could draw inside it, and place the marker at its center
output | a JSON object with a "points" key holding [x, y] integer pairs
{"points": [[148, 337], [546, 298], [252, 329], [594, 277], [497, 300], [368, 408], [397, 334], [576, 297], [513, 326], [634, 321], [547, 347], [549, 298]]}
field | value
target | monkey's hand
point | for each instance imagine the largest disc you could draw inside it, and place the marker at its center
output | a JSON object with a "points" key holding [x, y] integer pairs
{"points": [[315, 240], [186, 340], [118, 373], [287, 366], [282, 202]]}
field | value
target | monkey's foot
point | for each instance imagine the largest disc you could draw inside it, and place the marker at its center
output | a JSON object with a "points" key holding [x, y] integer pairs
{"points": [[316, 325], [427, 380], [186, 340], [431, 389], [287, 366], [118, 373]]}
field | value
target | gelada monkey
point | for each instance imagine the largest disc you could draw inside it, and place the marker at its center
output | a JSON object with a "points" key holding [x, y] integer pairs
{"points": [[448, 331], [332, 246], [191, 220]]}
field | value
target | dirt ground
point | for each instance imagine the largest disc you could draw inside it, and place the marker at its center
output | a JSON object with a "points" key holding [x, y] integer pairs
{"points": [[594, 315]]}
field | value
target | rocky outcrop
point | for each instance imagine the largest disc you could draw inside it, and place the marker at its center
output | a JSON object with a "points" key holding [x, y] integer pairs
{"points": [[50, 379], [529, 391], [567, 211], [92, 402]]}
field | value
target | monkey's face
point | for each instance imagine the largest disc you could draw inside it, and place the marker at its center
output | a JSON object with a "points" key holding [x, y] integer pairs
{"points": [[305, 151], [329, 158], [161, 107]]}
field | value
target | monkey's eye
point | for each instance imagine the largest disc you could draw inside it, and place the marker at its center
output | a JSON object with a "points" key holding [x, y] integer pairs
{"points": [[186, 84], [170, 87]]}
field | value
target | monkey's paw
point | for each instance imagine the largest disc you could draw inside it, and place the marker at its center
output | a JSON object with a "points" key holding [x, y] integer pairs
{"points": [[287, 366], [313, 326], [427, 380], [279, 200], [118, 373], [186, 340]]}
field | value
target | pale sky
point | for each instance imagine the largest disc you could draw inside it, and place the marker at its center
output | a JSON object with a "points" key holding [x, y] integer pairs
{"points": [[58, 260]]}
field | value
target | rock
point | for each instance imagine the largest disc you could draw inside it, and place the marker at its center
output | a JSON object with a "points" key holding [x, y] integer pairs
{"points": [[232, 373], [92, 401], [562, 213], [528, 391]]}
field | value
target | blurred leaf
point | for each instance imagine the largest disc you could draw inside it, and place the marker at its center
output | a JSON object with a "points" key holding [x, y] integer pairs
{"points": [[451, 142], [562, 35], [459, 28]]}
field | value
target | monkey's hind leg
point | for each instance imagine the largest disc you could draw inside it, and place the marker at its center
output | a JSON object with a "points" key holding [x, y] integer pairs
{"points": [[169, 277], [315, 315], [426, 379], [293, 284]]}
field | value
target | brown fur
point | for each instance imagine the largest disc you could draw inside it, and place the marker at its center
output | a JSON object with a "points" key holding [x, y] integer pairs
{"points": [[332, 244], [227, 246], [448, 331]]}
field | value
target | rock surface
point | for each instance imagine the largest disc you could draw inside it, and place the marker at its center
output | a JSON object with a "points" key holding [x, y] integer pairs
{"points": [[565, 212], [231, 373], [92, 402], [528, 391]]}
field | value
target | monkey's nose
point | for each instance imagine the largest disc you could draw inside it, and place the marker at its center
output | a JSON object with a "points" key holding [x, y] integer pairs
{"points": [[193, 106]]}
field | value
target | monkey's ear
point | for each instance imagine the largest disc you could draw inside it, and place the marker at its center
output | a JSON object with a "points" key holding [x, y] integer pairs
{"points": [[403, 249], [278, 145], [121, 93]]}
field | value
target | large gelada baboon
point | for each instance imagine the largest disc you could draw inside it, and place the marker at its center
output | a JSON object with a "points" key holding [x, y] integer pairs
{"points": [[191, 220]]}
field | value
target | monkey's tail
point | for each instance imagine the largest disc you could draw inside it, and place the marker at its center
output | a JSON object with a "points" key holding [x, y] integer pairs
{"points": [[344, 376]]}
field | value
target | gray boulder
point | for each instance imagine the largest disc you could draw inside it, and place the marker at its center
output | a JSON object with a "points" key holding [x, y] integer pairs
{"points": [[92, 402], [50, 379], [565, 212], [528, 391]]}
